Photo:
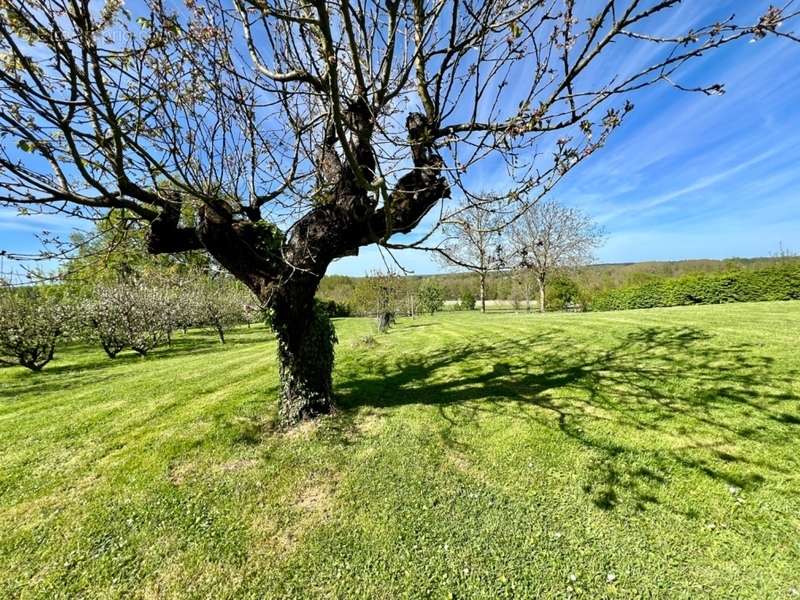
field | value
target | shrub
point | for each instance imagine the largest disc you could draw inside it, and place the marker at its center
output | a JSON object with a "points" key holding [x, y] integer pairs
{"points": [[333, 309], [467, 301], [32, 320], [778, 282], [562, 292], [430, 297]]}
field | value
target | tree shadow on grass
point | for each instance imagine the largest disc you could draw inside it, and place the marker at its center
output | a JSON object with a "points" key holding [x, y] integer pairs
{"points": [[417, 325], [692, 401], [84, 363]]}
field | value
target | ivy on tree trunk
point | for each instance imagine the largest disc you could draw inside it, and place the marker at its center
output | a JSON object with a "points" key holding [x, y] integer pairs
{"points": [[305, 362]]}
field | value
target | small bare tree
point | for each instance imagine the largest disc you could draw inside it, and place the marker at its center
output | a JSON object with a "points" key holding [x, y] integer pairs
{"points": [[549, 238], [473, 240], [280, 135], [524, 281]]}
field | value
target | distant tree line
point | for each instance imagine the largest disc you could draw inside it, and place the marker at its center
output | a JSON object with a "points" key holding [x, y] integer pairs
{"points": [[535, 248], [384, 296], [571, 289]]}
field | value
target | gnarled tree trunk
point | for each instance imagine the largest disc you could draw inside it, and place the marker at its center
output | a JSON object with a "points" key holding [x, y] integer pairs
{"points": [[306, 338]]}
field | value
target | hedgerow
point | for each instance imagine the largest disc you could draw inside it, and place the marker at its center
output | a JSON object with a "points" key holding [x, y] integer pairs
{"points": [[778, 282], [334, 309]]}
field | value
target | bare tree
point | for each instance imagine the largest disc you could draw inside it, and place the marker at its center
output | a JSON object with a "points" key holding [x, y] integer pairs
{"points": [[473, 240], [280, 135], [551, 237], [526, 281]]}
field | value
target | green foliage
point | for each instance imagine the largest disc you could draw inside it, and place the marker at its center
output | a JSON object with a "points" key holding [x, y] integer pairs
{"points": [[267, 237], [377, 294], [356, 292], [600, 278], [591, 280], [430, 297], [561, 293], [116, 251], [467, 301], [338, 288], [781, 281], [333, 309], [305, 367]]}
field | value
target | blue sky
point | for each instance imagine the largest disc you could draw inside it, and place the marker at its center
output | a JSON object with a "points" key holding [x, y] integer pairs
{"points": [[686, 176]]}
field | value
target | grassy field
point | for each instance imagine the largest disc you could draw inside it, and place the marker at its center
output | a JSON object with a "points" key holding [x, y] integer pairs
{"points": [[629, 454]]}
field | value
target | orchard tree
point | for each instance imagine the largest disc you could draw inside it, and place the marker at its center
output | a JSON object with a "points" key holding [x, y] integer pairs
{"points": [[32, 320], [473, 240], [134, 314], [106, 315], [522, 281], [150, 319], [220, 306], [379, 294], [185, 304], [550, 238], [386, 288], [279, 136], [150, 324], [430, 297]]}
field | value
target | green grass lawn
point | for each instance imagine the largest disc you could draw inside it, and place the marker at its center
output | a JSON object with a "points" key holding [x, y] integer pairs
{"points": [[628, 454]]}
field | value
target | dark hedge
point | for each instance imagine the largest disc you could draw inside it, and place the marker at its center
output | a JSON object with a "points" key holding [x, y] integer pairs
{"points": [[778, 282]]}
